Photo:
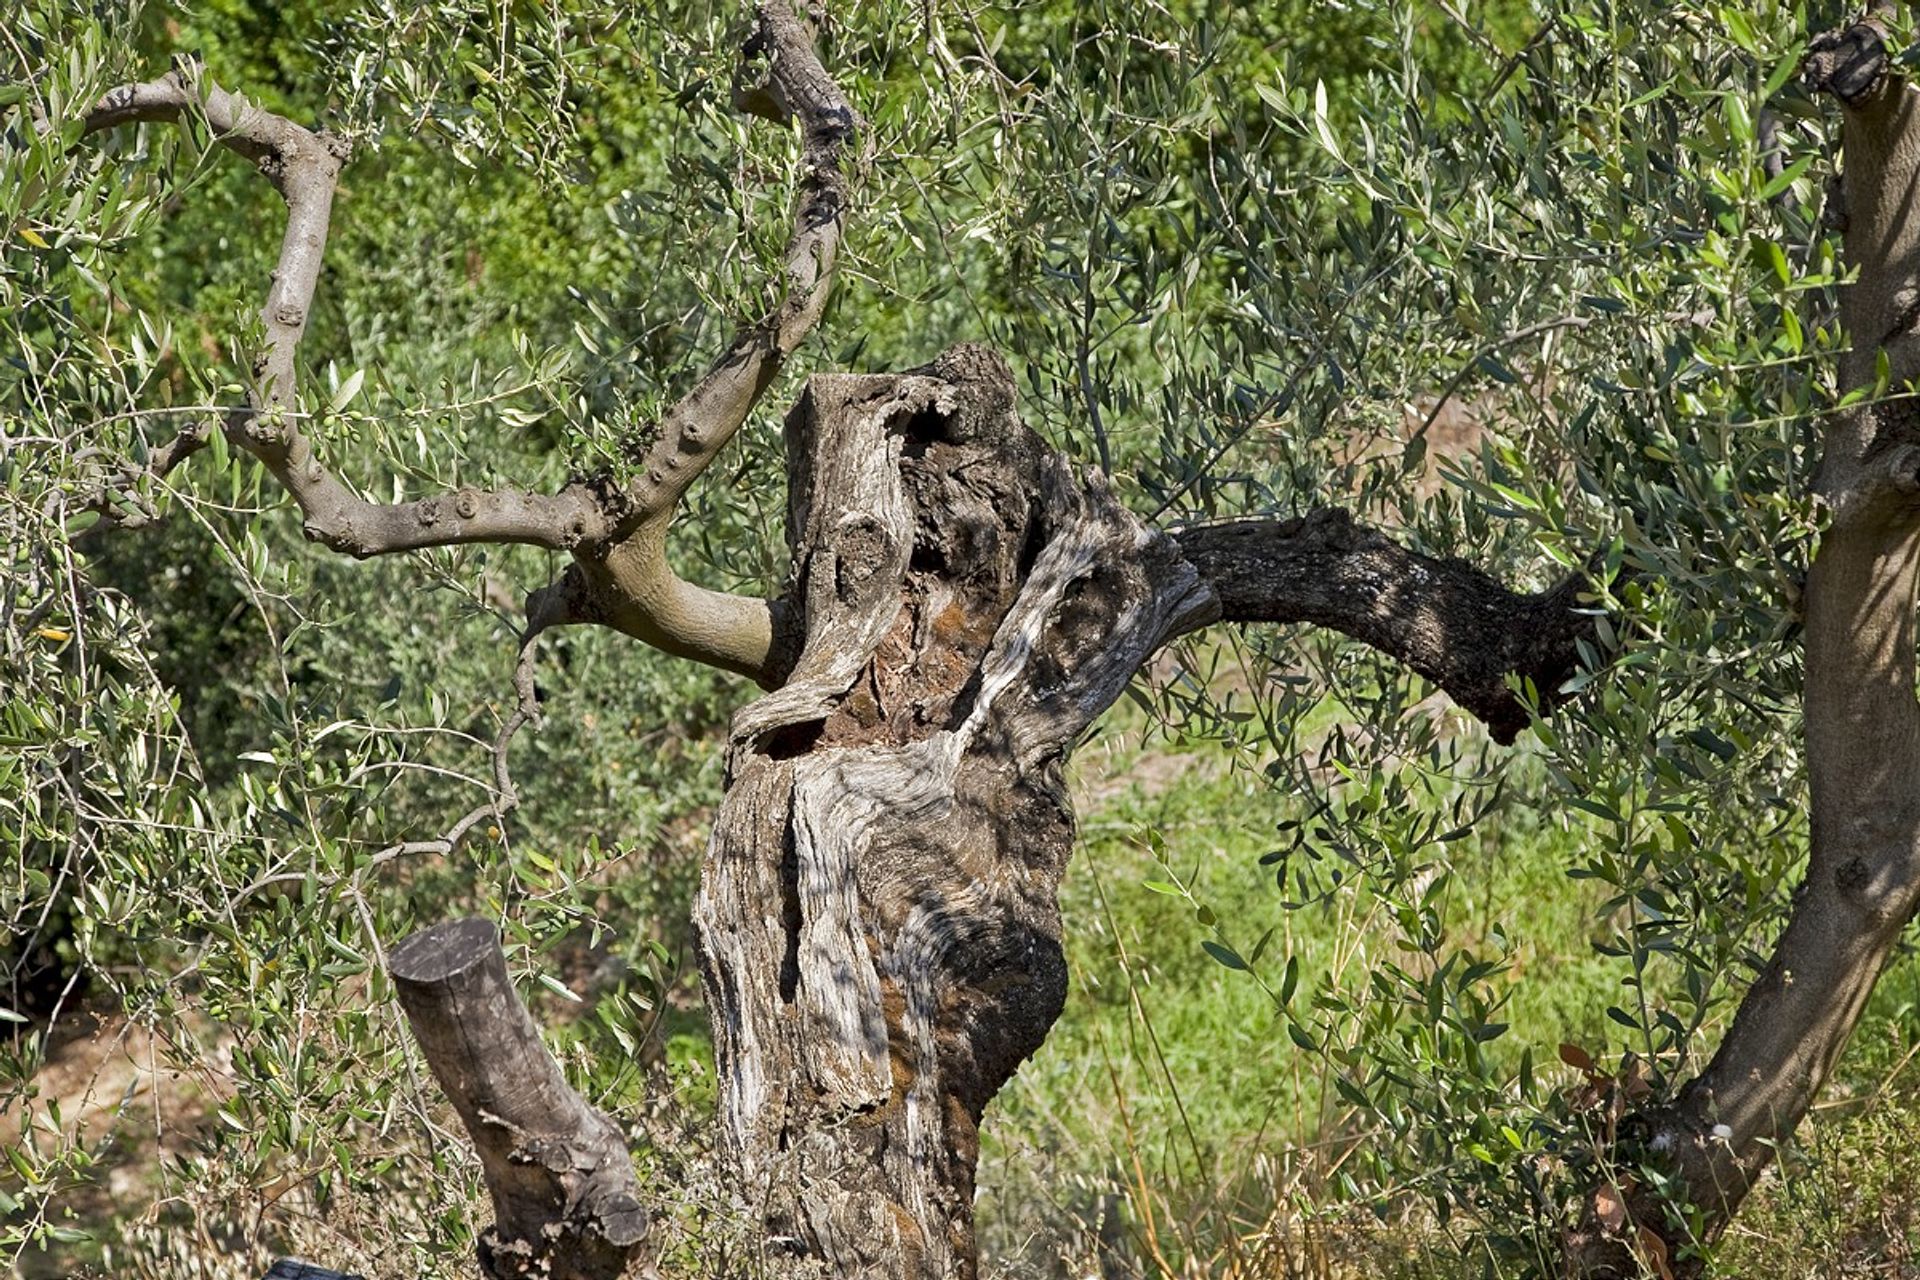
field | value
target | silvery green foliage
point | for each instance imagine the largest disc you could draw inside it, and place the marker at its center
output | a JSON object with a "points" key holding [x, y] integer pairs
{"points": [[1237, 259]]}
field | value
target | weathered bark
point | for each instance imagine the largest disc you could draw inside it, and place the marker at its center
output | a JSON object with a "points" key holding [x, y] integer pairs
{"points": [[1862, 882], [878, 925], [878, 921], [565, 1200]]}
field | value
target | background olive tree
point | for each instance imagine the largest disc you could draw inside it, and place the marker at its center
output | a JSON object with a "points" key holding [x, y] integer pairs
{"points": [[1542, 290]]}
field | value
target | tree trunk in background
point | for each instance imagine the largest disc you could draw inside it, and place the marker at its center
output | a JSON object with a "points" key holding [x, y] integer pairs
{"points": [[1862, 883], [878, 924]]}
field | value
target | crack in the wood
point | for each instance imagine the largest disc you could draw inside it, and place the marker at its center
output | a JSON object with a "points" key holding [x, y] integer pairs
{"points": [[790, 918]]}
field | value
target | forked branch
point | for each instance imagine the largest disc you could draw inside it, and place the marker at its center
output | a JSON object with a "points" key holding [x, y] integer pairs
{"points": [[304, 166], [618, 533], [630, 585]]}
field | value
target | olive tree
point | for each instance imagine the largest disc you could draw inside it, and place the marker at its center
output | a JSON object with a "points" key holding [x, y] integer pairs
{"points": [[878, 931]]}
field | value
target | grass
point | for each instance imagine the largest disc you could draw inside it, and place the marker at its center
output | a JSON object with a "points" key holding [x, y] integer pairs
{"points": [[1171, 1128]]}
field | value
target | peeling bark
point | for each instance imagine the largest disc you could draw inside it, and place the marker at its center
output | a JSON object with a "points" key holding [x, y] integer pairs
{"points": [[878, 921], [878, 924]]}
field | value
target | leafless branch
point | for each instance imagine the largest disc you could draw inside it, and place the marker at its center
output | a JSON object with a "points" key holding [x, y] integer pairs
{"points": [[506, 796], [781, 80], [628, 584], [1448, 620]]}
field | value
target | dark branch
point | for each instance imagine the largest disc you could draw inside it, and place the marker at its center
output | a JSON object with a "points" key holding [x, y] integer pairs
{"points": [[1447, 620], [119, 505]]}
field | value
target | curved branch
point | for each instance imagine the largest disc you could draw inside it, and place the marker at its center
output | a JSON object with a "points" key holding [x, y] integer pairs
{"points": [[780, 79], [635, 592], [623, 579], [236, 122], [628, 583], [1447, 620], [304, 166], [119, 506]]}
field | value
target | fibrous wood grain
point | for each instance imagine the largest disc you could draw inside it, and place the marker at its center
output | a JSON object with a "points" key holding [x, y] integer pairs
{"points": [[878, 919]]}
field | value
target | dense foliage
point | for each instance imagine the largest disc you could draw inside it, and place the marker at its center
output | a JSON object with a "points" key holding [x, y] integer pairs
{"points": [[1534, 285]]}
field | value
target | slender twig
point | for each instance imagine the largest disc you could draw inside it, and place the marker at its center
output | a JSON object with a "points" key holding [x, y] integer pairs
{"points": [[1498, 344]]}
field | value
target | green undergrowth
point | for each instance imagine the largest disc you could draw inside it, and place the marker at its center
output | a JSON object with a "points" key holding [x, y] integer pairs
{"points": [[1172, 1127], [1171, 1106]]}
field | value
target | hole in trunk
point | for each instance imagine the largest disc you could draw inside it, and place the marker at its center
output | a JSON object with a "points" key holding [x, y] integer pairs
{"points": [[1035, 543], [927, 559], [921, 431], [791, 741]]}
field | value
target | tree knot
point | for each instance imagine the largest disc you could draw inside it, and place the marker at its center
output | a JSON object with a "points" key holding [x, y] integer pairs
{"points": [[1848, 64], [335, 536], [1899, 465], [1852, 876], [1333, 526]]}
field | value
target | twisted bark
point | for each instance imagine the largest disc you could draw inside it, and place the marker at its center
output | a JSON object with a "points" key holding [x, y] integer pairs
{"points": [[879, 931]]}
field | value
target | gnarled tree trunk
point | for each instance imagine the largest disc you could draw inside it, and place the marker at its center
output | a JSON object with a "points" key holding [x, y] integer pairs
{"points": [[878, 922]]}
